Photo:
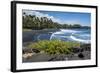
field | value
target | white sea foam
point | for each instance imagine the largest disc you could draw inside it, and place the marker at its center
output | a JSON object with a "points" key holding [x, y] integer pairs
{"points": [[51, 36], [79, 40], [85, 35], [59, 32], [72, 34], [69, 30]]}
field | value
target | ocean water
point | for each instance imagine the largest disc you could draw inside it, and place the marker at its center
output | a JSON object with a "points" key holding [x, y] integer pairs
{"points": [[76, 35], [79, 35]]}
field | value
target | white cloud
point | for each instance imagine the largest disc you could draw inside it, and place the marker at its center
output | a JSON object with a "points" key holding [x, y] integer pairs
{"points": [[39, 14]]}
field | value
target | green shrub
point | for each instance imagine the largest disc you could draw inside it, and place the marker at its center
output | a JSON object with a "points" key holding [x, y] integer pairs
{"points": [[54, 46]]}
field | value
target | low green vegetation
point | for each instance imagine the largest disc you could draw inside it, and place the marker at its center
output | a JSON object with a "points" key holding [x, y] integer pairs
{"points": [[53, 47], [27, 29]]}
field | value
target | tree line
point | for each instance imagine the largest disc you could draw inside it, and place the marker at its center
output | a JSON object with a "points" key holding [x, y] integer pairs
{"points": [[34, 22]]}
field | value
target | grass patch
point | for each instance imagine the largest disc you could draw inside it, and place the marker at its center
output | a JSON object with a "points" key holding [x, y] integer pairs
{"points": [[52, 47], [27, 29]]}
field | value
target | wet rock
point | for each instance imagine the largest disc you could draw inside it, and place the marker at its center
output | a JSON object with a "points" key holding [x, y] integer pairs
{"points": [[27, 51], [35, 50], [86, 47], [30, 51], [80, 55], [81, 50], [77, 49]]}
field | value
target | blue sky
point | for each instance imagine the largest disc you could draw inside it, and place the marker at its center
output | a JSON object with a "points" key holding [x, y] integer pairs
{"points": [[64, 17]]}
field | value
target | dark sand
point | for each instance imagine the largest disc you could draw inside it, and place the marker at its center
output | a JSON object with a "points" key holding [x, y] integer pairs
{"points": [[44, 57]]}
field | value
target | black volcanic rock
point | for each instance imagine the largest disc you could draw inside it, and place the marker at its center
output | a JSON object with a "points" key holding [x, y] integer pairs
{"points": [[35, 50], [76, 49], [27, 51], [80, 55], [30, 51], [86, 47]]}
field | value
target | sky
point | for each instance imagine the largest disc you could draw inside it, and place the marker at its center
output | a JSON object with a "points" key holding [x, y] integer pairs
{"points": [[83, 19]]}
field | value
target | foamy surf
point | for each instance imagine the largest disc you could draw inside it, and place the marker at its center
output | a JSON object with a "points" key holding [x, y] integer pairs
{"points": [[69, 30], [72, 35], [79, 40]]}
